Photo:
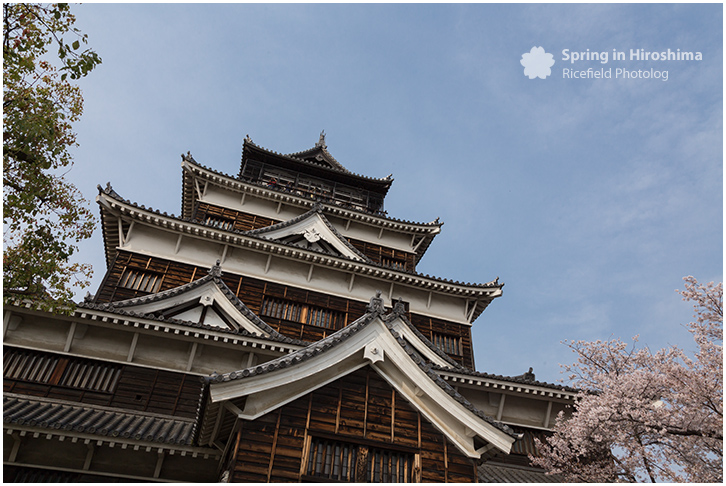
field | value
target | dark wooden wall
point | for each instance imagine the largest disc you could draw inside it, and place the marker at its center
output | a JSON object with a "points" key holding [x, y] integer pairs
{"points": [[41, 374], [360, 408], [242, 221], [253, 291]]}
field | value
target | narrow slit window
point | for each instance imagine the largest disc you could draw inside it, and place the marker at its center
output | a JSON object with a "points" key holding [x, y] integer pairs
{"points": [[141, 280], [448, 344]]}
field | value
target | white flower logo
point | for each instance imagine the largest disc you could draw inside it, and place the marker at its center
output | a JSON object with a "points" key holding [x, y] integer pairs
{"points": [[537, 63]]}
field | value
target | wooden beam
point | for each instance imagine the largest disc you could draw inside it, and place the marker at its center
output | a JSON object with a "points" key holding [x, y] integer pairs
{"points": [[159, 463], [234, 409], [120, 232], [128, 233], [501, 407], [69, 339], [16, 447], [547, 415], [132, 348], [310, 272], [274, 445], [415, 248], [89, 457], [192, 353]]}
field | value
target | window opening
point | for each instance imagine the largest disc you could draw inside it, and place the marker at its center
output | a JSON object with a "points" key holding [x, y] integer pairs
{"points": [[448, 344], [140, 280]]}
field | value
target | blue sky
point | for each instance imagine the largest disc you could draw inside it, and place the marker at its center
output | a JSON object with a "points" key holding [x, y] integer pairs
{"points": [[589, 198]]}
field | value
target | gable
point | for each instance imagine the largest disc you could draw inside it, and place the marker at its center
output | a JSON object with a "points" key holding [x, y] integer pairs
{"points": [[359, 413], [367, 342], [206, 302], [312, 231]]}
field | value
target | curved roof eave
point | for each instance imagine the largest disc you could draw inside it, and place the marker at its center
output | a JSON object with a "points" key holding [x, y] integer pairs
{"points": [[225, 180], [385, 182], [171, 222]]}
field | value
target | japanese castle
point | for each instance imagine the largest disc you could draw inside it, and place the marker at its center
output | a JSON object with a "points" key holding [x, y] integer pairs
{"points": [[277, 330]]}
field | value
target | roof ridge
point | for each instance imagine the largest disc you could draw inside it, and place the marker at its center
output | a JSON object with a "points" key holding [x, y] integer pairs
{"points": [[387, 179]]}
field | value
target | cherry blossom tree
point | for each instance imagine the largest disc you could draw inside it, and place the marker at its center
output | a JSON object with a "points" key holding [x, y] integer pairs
{"points": [[642, 415]]}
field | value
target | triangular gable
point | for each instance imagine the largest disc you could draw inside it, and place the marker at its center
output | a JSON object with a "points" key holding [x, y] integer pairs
{"points": [[369, 341], [207, 301], [313, 231]]}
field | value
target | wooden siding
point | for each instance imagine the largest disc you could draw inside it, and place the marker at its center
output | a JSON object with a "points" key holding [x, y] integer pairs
{"points": [[360, 408], [252, 292], [386, 256], [135, 388], [240, 220], [431, 326]]}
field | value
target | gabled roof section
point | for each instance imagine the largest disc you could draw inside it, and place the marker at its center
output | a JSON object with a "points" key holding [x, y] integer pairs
{"points": [[312, 164], [313, 231], [207, 302], [195, 175], [319, 155], [369, 341]]}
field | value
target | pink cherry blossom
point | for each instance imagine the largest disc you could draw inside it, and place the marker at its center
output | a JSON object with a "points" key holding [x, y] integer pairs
{"points": [[642, 415]]}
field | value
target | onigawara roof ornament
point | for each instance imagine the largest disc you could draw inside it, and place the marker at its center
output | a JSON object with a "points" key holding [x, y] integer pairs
{"points": [[216, 270], [376, 304], [321, 141]]}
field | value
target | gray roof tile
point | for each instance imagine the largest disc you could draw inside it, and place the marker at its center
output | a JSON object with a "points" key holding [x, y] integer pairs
{"points": [[101, 421]]}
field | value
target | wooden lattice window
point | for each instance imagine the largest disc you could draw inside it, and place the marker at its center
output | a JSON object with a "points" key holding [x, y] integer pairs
{"points": [[333, 460], [394, 263], [448, 344], [282, 309], [24, 365], [218, 222], [303, 313], [142, 280]]}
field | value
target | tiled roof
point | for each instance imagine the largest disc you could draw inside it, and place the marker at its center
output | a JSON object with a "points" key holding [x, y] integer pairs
{"points": [[339, 168], [375, 309], [521, 379], [250, 234], [213, 276], [399, 312], [103, 421], [502, 473], [320, 148], [188, 158]]}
